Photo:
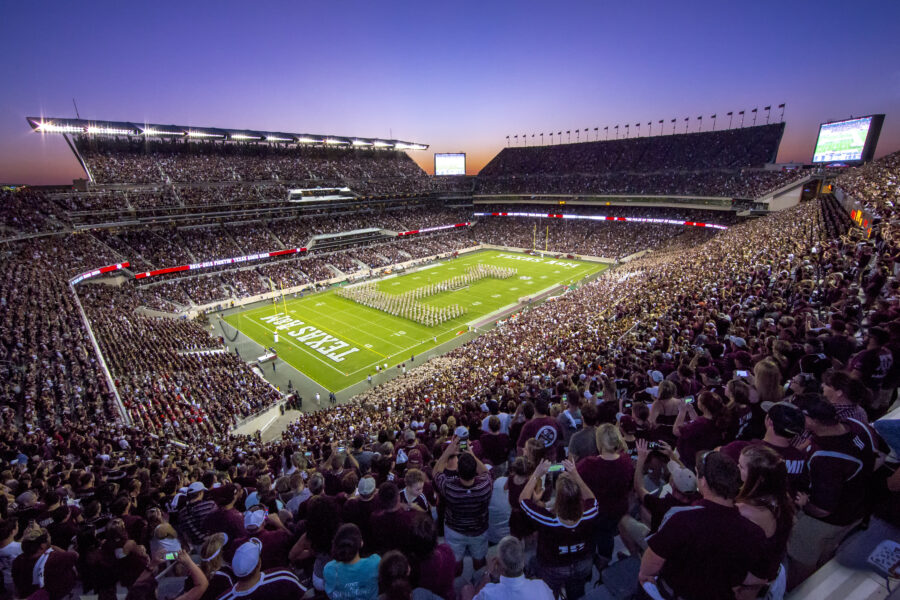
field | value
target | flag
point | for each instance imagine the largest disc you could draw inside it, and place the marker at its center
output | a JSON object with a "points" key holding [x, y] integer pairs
{"points": [[767, 108], [729, 114], [781, 106]]}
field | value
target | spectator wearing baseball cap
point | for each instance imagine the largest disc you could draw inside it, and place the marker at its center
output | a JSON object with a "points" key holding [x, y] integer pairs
{"points": [[359, 509], [784, 422], [192, 518], [41, 566], [683, 484], [842, 458], [276, 540], [255, 584], [712, 533]]}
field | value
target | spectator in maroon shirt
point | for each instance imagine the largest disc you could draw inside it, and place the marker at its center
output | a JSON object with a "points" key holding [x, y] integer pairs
{"points": [[227, 519], [565, 533], [543, 428], [654, 507], [872, 365], [359, 510], [711, 533], [842, 458], [495, 445], [43, 567], [610, 477], [433, 565], [784, 422], [391, 524], [703, 431]]}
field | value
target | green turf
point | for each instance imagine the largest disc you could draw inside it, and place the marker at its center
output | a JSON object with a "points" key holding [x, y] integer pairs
{"points": [[382, 338]]}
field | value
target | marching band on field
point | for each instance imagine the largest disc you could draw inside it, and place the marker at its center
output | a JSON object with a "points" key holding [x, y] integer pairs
{"points": [[407, 305]]}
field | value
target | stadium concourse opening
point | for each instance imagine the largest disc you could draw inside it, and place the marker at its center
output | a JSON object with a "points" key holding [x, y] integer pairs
{"points": [[708, 408]]}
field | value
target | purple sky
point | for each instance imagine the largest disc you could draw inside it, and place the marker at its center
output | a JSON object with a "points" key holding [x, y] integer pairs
{"points": [[457, 75]]}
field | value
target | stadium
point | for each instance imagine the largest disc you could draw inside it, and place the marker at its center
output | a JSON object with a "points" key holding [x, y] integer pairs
{"points": [[240, 362]]}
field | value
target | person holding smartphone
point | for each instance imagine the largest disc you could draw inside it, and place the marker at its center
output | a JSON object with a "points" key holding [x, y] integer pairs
{"points": [[565, 532]]}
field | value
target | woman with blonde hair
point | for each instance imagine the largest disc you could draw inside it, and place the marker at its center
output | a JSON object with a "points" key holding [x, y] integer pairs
{"points": [[610, 477], [212, 562], [767, 383], [570, 523]]}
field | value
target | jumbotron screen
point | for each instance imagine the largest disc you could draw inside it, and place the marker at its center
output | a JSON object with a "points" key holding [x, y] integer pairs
{"points": [[450, 164], [845, 141]]}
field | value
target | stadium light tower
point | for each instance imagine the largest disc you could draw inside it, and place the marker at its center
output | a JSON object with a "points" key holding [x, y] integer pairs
{"points": [[596, 134], [754, 115], [542, 138], [568, 135], [768, 109], [686, 120], [700, 118], [617, 132], [577, 135], [627, 130], [730, 116], [551, 138], [673, 126], [742, 119], [507, 141], [606, 129], [638, 128], [661, 132], [781, 106], [714, 122]]}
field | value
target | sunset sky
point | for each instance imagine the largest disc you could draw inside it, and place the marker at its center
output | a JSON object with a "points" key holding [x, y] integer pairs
{"points": [[459, 76]]}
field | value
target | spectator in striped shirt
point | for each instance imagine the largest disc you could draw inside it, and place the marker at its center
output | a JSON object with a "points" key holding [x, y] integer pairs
{"points": [[192, 518], [467, 496]]}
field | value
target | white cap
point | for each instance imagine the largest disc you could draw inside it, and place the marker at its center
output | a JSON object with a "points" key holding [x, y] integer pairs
{"points": [[254, 519], [195, 487], [246, 557]]}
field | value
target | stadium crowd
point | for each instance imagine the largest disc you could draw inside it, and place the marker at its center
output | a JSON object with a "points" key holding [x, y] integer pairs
{"points": [[707, 405]]}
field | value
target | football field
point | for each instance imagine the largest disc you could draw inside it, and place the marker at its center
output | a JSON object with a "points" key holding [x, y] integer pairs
{"points": [[337, 342]]}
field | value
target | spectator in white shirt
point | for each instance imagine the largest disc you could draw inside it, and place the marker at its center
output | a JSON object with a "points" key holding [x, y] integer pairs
{"points": [[512, 585]]}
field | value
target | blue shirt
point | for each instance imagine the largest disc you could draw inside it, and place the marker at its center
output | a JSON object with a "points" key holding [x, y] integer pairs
{"points": [[358, 581]]}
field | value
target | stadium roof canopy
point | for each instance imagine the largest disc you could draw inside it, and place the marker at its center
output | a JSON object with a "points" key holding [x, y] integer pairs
{"points": [[153, 130]]}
